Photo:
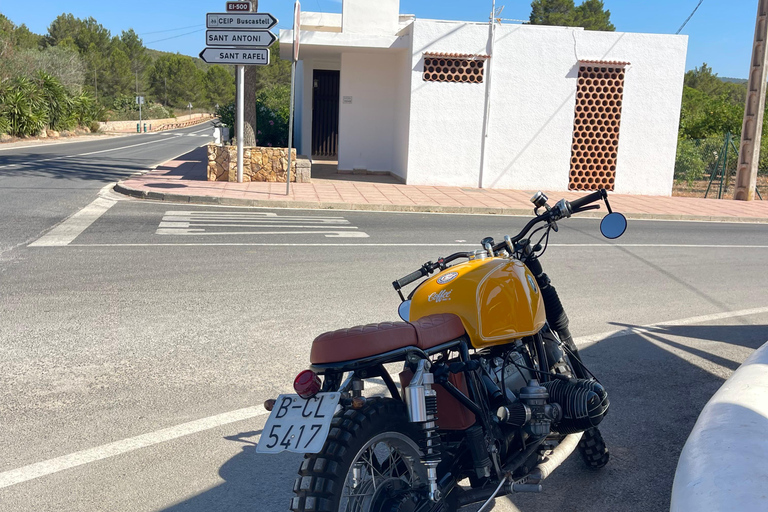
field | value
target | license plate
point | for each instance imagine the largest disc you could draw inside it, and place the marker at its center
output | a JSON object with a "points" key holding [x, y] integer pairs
{"points": [[298, 425]]}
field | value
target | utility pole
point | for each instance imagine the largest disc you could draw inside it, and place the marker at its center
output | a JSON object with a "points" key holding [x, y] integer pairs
{"points": [[752, 127]]}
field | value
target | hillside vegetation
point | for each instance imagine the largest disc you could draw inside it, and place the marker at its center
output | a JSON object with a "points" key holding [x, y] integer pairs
{"points": [[79, 72], [711, 107]]}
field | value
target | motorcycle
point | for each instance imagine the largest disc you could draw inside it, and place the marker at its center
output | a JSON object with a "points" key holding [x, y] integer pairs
{"points": [[493, 393]]}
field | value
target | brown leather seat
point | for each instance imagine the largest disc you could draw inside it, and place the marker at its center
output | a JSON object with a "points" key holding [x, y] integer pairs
{"points": [[368, 340]]}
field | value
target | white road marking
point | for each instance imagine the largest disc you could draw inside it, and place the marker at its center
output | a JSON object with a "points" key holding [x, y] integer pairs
{"points": [[39, 469], [73, 141], [67, 231], [586, 341], [265, 244], [88, 154], [193, 223], [202, 232]]}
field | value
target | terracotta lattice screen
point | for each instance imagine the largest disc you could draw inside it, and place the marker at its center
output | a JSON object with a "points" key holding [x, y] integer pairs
{"points": [[453, 67], [596, 125]]}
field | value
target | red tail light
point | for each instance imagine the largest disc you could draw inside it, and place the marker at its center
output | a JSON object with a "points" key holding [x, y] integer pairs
{"points": [[307, 384]]}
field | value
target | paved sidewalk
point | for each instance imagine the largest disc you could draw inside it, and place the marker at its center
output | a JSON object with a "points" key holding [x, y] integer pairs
{"points": [[184, 180]]}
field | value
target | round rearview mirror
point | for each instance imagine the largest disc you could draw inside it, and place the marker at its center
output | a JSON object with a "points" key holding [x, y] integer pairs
{"points": [[613, 225], [404, 310]]}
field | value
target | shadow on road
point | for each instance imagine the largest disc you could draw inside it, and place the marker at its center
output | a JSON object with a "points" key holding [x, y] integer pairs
{"points": [[656, 396], [102, 170]]}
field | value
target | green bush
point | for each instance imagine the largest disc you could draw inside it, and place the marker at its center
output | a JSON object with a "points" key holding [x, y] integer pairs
{"points": [[272, 112], [696, 158], [226, 114], [125, 108]]}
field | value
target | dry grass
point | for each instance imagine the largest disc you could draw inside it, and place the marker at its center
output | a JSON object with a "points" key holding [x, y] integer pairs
{"points": [[698, 188]]}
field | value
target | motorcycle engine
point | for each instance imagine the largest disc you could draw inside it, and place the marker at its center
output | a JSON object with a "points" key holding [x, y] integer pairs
{"points": [[565, 405]]}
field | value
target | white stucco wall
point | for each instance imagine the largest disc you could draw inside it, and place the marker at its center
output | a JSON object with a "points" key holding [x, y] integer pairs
{"points": [[534, 82], [446, 119], [370, 17], [367, 124]]}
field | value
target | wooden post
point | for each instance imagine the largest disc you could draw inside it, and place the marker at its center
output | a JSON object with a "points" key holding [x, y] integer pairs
{"points": [[752, 127]]}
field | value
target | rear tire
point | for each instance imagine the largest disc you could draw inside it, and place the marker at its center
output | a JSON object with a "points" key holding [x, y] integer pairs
{"points": [[357, 438]]}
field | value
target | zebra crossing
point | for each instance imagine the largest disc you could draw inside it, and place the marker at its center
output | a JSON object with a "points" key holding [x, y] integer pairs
{"points": [[227, 224]]}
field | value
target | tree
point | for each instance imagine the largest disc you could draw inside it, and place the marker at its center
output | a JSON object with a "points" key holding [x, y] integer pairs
{"points": [[277, 73], [117, 76], [591, 14], [705, 116], [251, 82], [703, 79], [176, 79], [133, 47], [552, 12], [94, 43], [219, 86]]}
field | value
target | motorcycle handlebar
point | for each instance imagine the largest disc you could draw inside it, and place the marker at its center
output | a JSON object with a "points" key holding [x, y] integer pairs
{"points": [[551, 215], [591, 198], [413, 276]]}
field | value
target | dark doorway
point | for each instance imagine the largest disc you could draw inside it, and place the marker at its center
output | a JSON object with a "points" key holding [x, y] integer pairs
{"points": [[325, 113]]}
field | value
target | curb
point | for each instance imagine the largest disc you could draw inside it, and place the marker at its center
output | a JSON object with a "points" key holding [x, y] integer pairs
{"points": [[722, 465], [122, 188]]}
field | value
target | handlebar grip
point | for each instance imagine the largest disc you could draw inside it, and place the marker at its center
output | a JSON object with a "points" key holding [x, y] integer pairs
{"points": [[413, 276], [591, 198]]}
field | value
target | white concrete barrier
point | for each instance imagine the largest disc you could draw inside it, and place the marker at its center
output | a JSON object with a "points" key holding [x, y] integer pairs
{"points": [[724, 463]]}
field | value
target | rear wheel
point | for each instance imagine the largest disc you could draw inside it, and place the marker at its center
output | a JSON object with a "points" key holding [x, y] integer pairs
{"points": [[370, 463]]}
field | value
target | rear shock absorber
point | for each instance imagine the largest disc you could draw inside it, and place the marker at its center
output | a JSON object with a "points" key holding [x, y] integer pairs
{"points": [[422, 409]]}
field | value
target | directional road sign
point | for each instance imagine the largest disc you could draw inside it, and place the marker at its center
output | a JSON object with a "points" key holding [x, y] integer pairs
{"points": [[251, 20], [253, 57], [240, 38]]}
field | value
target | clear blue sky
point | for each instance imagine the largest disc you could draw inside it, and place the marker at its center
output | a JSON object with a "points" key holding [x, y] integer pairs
{"points": [[720, 33]]}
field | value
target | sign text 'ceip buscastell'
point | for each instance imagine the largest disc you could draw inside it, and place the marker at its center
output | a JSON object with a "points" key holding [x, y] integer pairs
{"points": [[253, 20]]}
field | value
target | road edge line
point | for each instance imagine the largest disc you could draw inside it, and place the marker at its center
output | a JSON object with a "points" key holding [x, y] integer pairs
{"points": [[72, 460]]}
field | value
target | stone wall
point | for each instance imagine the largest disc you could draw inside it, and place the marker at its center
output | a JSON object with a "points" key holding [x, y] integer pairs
{"points": [[259, 164]]}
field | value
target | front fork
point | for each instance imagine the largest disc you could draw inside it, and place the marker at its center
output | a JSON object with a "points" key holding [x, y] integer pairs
{"points": [[422, 410], [556, 317]]}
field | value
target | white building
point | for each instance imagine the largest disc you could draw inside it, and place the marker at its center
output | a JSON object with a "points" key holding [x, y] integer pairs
{"points": [[458, 103]]}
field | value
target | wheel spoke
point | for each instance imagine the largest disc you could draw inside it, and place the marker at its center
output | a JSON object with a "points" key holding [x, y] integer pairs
{"points": [[373, 466]]}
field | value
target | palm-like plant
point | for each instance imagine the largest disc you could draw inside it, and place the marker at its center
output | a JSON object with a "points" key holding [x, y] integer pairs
{"points": [[24, 107], [57, 100]]}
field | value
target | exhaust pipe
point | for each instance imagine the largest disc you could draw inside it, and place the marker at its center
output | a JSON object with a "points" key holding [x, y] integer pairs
{"points": [[558, 455], [529, 484]]}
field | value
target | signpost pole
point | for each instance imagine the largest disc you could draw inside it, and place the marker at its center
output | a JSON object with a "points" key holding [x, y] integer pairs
{"points": [[296, 29], [290, 130], [240, 120]]}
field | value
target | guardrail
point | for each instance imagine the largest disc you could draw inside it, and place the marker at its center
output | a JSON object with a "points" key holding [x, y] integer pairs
{"points": [[184, 124], [724, 463]]}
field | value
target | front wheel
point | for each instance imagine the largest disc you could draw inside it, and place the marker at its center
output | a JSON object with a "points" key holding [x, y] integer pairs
{"points": [[370, 463]]}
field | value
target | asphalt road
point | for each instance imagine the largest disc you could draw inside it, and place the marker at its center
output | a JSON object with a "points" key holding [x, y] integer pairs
{"points": [[160, 320], [40, 185]]}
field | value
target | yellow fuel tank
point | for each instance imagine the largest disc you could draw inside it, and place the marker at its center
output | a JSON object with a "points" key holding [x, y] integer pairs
{"points": [[497, 299]]}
